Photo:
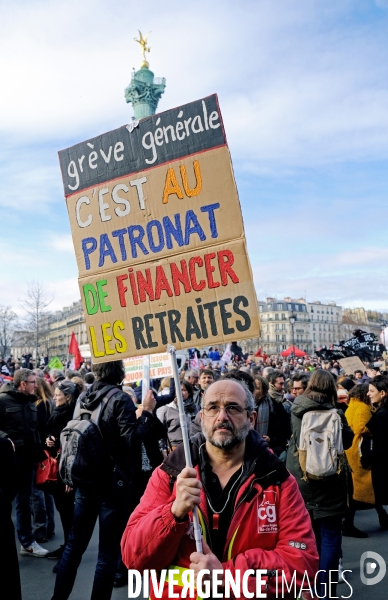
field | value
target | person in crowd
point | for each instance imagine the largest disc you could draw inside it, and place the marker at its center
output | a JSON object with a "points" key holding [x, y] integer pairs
{"points": [[89, 379], [70, 373], [150, 456], [123, 435], [192, 376], [10, 575], [79, 383], [241, 375], [65, 396], [164, 387], [299, 383], [38, 373], [11, 365], [378, 426], [229, 461], [19, 422], [4, 370], [372, 371], [205, 379], [42, 502], [56, 375], [272, 422], [27, 363], [216, 354], [169, 415], [276, 382], [358, 414], [342, 399], [325, 498], [376, 392], [358, 375], [267, 370]]}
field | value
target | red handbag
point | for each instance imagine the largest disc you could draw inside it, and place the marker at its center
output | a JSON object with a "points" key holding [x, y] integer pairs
{"points": [[47, 471]]}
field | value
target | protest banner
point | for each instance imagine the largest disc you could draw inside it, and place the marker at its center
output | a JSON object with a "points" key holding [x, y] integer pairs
{"points": [[158, 235], [55, 363], [352, 364], [160, 366]]}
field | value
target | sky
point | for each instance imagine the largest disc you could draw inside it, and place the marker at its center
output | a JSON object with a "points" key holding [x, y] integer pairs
{"points": [[303, 90]]}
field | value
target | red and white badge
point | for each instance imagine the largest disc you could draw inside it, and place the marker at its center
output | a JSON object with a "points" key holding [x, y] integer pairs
{"points": [[266, 513]]}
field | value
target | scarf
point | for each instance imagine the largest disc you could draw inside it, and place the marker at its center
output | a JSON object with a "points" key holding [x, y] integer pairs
{"points": [[263, 410], [275, 395]]}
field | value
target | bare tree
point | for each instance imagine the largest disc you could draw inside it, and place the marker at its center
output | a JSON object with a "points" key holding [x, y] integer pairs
{"points": [[35, 304], [8, 321]]}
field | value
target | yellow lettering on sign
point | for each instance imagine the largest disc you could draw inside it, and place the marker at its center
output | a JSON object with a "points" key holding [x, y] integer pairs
{"points": [[122, 345], [197, 171], [107, 338], [171, 186], [96, 351]]}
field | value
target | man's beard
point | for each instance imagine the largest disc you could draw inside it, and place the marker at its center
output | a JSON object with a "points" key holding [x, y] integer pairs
{"points": [[229, 442]]}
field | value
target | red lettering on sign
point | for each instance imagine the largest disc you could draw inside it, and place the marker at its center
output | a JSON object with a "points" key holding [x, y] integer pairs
{"points": [[161, 283], [197, 286], [226, 266], [122, 289], [145, 285]]}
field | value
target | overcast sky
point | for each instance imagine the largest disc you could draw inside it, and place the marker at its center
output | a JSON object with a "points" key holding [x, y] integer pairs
{"points": [[303, 88]]}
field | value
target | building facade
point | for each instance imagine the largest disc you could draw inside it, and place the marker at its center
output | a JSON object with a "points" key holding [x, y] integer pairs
{"points": [[316, 325], [65, 322], [55, 335]]}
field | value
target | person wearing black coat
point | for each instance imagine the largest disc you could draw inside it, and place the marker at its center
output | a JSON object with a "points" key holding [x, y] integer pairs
{"points": [[19, 422], [10, 578], [378, 426], [123, 435], [272, 420]]}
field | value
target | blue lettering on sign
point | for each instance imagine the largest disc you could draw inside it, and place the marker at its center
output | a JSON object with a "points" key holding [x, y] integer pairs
{"points": [[136, 241]]}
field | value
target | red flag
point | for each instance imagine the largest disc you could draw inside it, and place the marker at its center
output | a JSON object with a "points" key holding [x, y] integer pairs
{"points": [[74, 350], [259, 352]]}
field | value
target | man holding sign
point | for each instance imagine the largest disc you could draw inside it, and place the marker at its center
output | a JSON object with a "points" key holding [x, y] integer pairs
{"points": [[245, 496]]}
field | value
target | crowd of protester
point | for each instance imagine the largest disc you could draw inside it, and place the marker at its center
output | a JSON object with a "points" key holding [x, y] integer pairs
{"points": [[142, 436]]}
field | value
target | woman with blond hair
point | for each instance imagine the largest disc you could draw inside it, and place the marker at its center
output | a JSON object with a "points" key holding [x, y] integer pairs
{"points": [[164, 387]]}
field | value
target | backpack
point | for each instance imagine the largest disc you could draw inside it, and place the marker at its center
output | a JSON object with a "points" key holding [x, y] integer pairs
{"points": [[320, 444], [84, 458]]}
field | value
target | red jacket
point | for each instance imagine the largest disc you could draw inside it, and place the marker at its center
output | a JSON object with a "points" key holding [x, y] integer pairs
{"points": [[270, 528]]}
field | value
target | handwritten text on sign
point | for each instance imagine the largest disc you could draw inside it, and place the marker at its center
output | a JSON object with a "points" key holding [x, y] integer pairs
{"points": [[160, 250], [160, 366]]}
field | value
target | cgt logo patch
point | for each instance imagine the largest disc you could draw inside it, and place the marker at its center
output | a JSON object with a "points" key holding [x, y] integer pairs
{"points": [[266, 513]]}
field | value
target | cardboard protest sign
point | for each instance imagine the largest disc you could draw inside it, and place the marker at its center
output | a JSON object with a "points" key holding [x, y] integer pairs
{"points": [[352, 364], [158, 235], [160, 366]]}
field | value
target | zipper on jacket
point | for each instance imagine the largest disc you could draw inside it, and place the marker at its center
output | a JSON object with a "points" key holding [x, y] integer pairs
{"points": [[243, 498]]}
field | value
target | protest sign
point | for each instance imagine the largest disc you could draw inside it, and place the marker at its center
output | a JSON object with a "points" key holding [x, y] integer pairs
{"points": [[160, 366], [55, 363], [352, 364], [158, 235], [227, 355]]}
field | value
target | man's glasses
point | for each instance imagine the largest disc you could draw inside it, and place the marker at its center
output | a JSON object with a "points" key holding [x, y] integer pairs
{"points": [[232, 410], [29, 381]]}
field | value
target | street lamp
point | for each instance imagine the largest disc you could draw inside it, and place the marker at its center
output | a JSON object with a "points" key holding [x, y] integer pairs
{"points": [[292, 320]]}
